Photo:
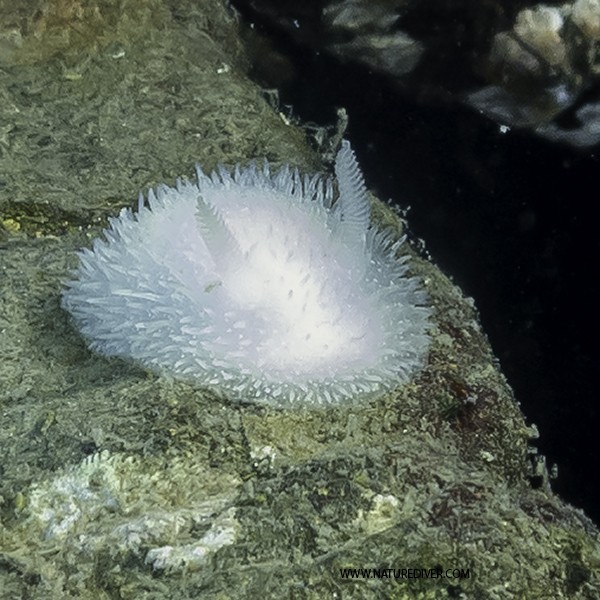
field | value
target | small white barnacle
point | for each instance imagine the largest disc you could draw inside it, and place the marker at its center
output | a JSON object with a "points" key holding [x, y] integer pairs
{"points": [[260, 285]]}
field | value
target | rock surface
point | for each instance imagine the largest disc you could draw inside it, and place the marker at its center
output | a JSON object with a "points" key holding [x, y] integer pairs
{"points": [[528, 66]]}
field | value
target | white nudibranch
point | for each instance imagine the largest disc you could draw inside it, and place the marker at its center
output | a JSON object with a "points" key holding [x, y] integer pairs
{"points": [[259, 286]]}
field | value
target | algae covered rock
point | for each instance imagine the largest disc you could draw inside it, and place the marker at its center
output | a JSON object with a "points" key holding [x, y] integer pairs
{"points": [[170, 514]]}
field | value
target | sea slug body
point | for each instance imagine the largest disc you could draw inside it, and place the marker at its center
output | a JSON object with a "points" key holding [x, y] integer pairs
{"points": [[260, 286]]}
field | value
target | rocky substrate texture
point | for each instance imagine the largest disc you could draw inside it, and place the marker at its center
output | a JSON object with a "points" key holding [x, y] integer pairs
{"points": [[525, 65]]}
